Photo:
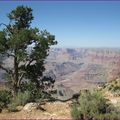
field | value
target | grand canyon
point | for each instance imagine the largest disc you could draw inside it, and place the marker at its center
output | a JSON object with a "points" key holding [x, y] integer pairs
{"points": [[83, 68], [80, 68]]}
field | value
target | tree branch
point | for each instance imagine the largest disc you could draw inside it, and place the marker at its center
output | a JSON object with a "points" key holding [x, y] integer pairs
{"points": [[6, 27], [21, 76], [26, 64], [3, 24], [29, 62], [20, 79], [10, 55]]}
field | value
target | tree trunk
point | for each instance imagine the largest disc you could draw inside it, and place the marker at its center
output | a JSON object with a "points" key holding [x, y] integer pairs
{"points": [[15, 86]]}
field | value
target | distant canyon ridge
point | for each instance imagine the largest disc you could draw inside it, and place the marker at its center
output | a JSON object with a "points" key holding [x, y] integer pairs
{"points": [[81, 68]]}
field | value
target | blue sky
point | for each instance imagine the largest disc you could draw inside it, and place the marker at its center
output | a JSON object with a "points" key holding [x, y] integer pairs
{"points": [[75, 24]]}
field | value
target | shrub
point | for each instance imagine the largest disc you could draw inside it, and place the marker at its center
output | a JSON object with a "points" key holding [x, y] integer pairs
{"points": [[75, 112], [12, 107], [21, 98], [5, 98], [109, 116], [93, 105], [34, 93], [1, 106]]}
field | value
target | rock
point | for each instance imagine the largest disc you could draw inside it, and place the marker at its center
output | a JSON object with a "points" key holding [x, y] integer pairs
{"points": [[19, 108], [30, 106], [113, 101]]}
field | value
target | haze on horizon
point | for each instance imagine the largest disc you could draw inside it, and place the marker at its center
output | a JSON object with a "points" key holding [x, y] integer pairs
{"points": [[75, 24]]}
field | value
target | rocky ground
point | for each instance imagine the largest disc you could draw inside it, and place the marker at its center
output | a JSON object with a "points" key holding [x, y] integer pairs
{"points": [[55, 110], [51, 110]]}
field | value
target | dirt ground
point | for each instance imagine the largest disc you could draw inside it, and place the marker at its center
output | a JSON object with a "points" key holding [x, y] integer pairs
{"points": [[55, 110]]}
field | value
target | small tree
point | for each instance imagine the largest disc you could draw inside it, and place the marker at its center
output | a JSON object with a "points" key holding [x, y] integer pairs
{"points": [[15, 41]]}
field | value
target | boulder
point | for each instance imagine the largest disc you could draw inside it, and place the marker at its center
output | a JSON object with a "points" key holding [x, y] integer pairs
{"points": [[19, 108], [30, 106]]}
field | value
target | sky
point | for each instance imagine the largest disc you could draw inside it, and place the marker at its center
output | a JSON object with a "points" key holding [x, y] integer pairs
{"points": [[74, 24]]}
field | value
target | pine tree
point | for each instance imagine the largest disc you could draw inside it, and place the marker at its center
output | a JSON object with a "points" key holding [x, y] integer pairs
{"points": [[15, 40]]}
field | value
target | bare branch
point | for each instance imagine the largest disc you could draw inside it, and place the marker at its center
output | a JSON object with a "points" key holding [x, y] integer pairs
{"points": [[3, 24], [21, 76], [32, 60], [29, 62], [6, 27], [20, 79], [10, 55]]}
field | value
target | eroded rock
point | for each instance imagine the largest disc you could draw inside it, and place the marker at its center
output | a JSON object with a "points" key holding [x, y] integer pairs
{"points": [[30, 106]]}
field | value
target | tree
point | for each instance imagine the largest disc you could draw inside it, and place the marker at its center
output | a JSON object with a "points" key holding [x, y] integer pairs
{"points": [[15, 41]]}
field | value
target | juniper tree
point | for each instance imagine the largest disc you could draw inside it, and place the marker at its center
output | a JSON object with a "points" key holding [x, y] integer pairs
{"points": [[15, 39]]}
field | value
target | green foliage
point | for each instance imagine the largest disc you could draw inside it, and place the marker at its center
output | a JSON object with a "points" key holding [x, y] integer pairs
{"points": [[5, 98], [93, 105], [28, 93], [34, 93], [12, 107], [21, 98], [22, 16], [15, 42], [112, 115], [75, 113], [1, 106]]}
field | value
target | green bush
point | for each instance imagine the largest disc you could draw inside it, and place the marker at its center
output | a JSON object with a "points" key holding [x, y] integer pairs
{"points": [[5, 98], [21, 98], [75, 112], [36, 95], [1, 106], [12, 107], [28, 93], [109, 116], [93, 105]]}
